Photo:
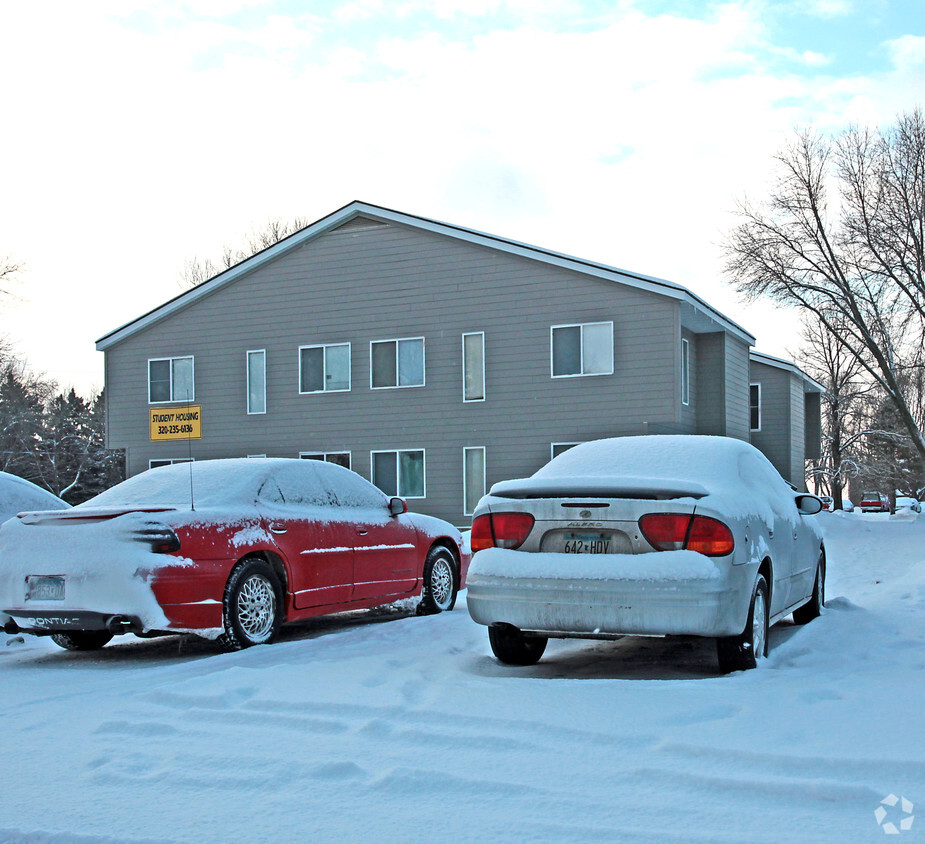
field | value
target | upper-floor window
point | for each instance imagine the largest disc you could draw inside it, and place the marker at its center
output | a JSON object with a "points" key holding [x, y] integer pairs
{"points": [[399, 472], [341, 458], [473, 350], [170, 379], [754, 406], [396, 363], [257, 381], [685, 372], [584, 349], [324, 369]]}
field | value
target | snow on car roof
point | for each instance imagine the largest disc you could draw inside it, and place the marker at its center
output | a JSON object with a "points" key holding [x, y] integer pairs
{"points": [[214, 482], [720, 471], [17, 494]]}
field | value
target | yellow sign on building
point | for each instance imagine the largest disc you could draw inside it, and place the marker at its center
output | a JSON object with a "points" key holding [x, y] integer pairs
{"points": [[176, 423]]}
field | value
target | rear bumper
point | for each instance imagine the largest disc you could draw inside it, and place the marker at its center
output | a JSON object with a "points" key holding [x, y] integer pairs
{"points": [[602, 607], [45, 623]]}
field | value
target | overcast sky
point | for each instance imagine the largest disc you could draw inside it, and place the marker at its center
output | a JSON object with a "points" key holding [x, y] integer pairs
{"points": [[135, 135]]}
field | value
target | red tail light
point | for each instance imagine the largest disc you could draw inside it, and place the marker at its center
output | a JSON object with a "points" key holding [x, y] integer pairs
{"points": [[500, 530], [682, 531]]}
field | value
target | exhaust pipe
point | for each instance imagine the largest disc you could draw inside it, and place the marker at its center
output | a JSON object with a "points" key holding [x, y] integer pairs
{"points": [[118, 624]]}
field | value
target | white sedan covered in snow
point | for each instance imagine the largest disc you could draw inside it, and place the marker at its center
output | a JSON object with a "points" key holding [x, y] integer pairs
{"points": [[657, 535]]}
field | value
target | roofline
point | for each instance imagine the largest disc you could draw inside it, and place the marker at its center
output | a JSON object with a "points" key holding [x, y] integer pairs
{"points": [[357, 208], [789, 366]]}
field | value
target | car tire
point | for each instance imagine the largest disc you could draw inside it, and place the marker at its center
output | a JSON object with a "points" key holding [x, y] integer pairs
{"points": [[441, 582], [82, 640], [512, 647], [740, 653], [252, 607], [813, 609]]}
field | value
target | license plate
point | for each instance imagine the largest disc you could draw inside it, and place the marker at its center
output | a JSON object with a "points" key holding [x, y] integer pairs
{"points": [[587, 543], [44, 588]]}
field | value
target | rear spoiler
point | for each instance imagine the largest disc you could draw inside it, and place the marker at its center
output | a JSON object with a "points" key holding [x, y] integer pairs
{"points": [[86, 514], [596, 487]]}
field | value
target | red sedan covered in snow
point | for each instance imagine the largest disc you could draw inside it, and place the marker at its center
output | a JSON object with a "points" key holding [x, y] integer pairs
{"points": [[226, 549]]}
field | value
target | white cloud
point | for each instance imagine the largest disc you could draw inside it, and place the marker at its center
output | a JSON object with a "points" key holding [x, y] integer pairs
{"points": [[627, 143]]}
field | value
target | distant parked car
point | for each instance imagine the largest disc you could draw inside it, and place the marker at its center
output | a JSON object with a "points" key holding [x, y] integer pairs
{"points": [[904, 502], [828, 503], [874, 502], [225, 549], [17, 494], [847, 505], [656, 535]]}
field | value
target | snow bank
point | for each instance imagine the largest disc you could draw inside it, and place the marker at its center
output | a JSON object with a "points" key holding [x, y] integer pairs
{"points": [[18, 494]]}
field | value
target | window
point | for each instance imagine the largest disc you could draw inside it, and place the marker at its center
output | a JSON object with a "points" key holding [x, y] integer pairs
{"points": [[397, 363], [399, 472], [685, 372], [341, 458], [153, 464], [170, 379], [474, 366], [473, 478], [585, 349], [754, 406], [557, 448], [257, 381], [324, 369], [256, 455]]}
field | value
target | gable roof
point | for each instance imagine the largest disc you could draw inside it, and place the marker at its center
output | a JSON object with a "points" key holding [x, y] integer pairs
{"points": [[385, 215], [809, 384]]}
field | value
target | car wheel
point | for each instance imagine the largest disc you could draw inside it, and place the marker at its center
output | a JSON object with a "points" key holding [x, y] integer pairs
{"points": [[82, 640], [813, 609], [739, 653], [512, 647], [440, 581], [252, 605]]}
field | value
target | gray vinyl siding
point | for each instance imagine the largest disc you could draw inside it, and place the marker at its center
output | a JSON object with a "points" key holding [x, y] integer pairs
{"points": [[383, 282], [774, 438], [711, 384], [737, 380], [812, 403], [797, 433]]}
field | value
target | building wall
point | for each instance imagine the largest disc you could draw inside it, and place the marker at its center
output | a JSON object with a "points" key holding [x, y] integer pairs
{"points": [[377, 282], [797, 474]]}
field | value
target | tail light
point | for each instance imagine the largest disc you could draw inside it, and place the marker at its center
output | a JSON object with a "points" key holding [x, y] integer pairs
{"points": [[683, 531], [161, 538], [500, 530]]}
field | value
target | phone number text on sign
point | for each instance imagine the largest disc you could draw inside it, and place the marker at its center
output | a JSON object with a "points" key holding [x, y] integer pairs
{"points": [[179, 423]]}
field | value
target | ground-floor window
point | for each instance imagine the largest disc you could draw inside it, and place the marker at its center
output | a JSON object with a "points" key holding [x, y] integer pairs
{"points": [[557, 448], [473, 477], [341, 458], [399, 472], [166, 461]]}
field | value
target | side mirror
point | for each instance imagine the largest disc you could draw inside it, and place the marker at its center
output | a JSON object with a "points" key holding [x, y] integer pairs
{"points": [[808, 505], [397, 506]]}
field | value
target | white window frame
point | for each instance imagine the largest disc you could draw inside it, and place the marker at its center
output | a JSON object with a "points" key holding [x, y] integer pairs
{"points": [[324, 373], [685, 372], [169, 461], [397, 386], [396, 452], [581, 325], [473, 334], [172, 400], [758, 385], [247, 363], [466, 450], [552, 448], [314, 455]]}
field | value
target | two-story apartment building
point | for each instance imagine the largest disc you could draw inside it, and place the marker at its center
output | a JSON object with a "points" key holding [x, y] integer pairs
{"points": [[430, 358]]}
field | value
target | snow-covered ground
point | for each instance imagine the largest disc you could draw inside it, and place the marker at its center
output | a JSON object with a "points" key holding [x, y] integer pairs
{"points": [[377, 726]]}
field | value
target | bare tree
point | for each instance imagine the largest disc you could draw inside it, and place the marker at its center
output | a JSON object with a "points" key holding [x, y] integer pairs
{"points": [[9, 272], [842, 237], [846, 406], [197, 270]]}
